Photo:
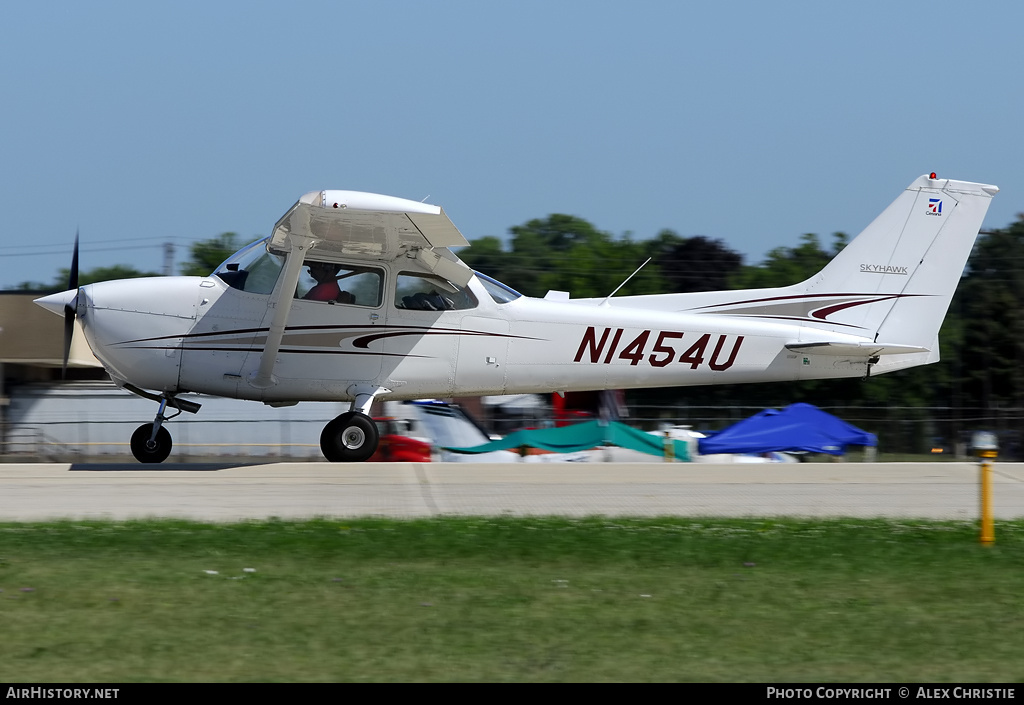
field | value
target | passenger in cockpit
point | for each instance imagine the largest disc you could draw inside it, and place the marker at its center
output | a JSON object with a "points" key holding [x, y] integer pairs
{"points": [[327, 289]]}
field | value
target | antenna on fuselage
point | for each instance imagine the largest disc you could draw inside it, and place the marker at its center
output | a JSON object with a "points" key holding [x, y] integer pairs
{"points": [[605, 302]]}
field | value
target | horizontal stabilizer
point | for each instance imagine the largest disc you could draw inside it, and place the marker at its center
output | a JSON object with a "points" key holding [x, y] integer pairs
{"points": [[855, 349]]}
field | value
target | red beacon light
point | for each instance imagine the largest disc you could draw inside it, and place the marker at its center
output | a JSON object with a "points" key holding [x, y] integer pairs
{"points": [[932, 176]]}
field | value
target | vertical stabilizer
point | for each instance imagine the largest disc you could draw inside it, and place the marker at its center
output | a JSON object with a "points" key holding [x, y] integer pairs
{"points": [[896, 279]]}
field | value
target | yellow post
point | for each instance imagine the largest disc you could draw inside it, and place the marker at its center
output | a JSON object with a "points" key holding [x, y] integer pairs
{"points": [[985, 445], [988, 533], [670, 449]]}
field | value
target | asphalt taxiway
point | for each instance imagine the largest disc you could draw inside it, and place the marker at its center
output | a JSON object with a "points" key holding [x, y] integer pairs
{"points": [[233, 492]]}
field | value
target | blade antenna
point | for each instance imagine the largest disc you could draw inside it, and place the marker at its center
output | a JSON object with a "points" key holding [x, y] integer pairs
{"points": [[605, 302]]}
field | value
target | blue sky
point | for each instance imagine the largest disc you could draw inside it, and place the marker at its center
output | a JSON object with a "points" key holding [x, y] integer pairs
{"points": [[143, 123]]}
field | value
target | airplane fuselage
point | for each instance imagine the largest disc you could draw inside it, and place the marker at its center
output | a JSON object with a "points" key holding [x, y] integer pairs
{"points": [[357, 296], [191, 334]]}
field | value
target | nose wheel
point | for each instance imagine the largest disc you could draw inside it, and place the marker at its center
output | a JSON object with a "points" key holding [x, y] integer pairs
{"points": [[151, 442], [148, 447], [350, 438]]}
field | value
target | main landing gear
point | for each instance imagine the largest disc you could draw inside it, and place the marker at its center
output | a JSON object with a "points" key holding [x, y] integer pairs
{"points": [[353, 436], [350, 438], [151, 442]]}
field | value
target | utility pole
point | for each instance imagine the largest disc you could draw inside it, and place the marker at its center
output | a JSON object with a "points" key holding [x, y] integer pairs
{"points": [[168, 259]]}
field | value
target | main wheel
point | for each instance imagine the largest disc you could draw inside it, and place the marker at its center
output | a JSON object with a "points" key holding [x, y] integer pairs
{"points": [[350, 438], [146, 452]]}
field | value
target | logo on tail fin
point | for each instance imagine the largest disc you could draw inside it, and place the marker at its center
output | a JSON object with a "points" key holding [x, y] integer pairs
{"points": [[934, 206]]}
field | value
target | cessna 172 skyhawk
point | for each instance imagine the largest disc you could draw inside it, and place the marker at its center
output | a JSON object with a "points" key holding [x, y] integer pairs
{"points": [[356, 296]]}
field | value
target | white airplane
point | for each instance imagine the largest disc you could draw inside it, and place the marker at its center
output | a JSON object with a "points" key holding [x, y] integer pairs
{"points": [[356, 297]]}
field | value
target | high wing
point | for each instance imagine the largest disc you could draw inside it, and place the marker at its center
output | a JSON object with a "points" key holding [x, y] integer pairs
{"points": [[370, 226]]}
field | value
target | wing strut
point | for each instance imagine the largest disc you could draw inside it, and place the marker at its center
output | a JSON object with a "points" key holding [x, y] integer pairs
{"points": [[281, 302]]}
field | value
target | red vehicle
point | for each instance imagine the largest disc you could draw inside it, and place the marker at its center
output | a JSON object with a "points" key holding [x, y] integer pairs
{"points": [[396, 445], [573, 407], [419, 432]]}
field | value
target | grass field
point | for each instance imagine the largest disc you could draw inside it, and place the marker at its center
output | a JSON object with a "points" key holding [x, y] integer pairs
{"points": [[511, 600]]}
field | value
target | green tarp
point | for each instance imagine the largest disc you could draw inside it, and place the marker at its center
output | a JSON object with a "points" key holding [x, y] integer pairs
{"points": [[583, 436]]}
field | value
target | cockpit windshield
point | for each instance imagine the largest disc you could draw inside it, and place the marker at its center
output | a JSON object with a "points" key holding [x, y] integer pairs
{"points": [[499, 292], [253, 268]]}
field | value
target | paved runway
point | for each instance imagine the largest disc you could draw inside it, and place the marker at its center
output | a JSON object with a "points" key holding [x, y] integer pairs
{"points": [[302, 490]]}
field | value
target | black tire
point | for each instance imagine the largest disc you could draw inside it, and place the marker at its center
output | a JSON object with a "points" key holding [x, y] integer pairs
{"points": [[350, 438], [141, 448]]}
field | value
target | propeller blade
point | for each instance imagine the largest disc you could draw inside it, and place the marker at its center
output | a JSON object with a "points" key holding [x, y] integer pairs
{"points": [[73, 274], [69, 311], [69, 331]]}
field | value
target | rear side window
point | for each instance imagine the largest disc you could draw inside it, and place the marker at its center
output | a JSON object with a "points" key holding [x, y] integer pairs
{"points": [[426, 292]]}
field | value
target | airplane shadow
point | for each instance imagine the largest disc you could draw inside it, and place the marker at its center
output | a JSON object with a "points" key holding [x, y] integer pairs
{"points": [[161, 467]]}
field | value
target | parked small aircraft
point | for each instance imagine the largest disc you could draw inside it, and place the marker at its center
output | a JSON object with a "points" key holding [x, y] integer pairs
{"points": [[356, 296]]}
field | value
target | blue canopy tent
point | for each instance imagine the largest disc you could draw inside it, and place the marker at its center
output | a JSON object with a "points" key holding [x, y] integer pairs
{"points": [[798, 427]]}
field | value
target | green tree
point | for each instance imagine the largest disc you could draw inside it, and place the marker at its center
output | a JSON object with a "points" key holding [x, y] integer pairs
{"points": [[790, 265], [598, 268], [566, 253], [486, 255], [990, 299], [542, 256], [91, 276], [206, 255], [695, 263]]}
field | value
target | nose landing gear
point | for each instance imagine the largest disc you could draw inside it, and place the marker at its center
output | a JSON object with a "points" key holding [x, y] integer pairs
{"points": [[151, 442]]}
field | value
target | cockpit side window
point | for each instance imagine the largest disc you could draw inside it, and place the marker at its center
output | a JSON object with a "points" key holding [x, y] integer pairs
{"points": [[340, 283], [426, 292], [252, 269]]}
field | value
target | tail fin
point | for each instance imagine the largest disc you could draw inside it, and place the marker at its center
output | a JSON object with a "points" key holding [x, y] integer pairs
{"points": [[889, 288], [896, 279]]}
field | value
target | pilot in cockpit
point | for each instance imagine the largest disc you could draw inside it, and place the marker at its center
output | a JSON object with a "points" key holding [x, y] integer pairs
{"points": [[326, 288]]}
